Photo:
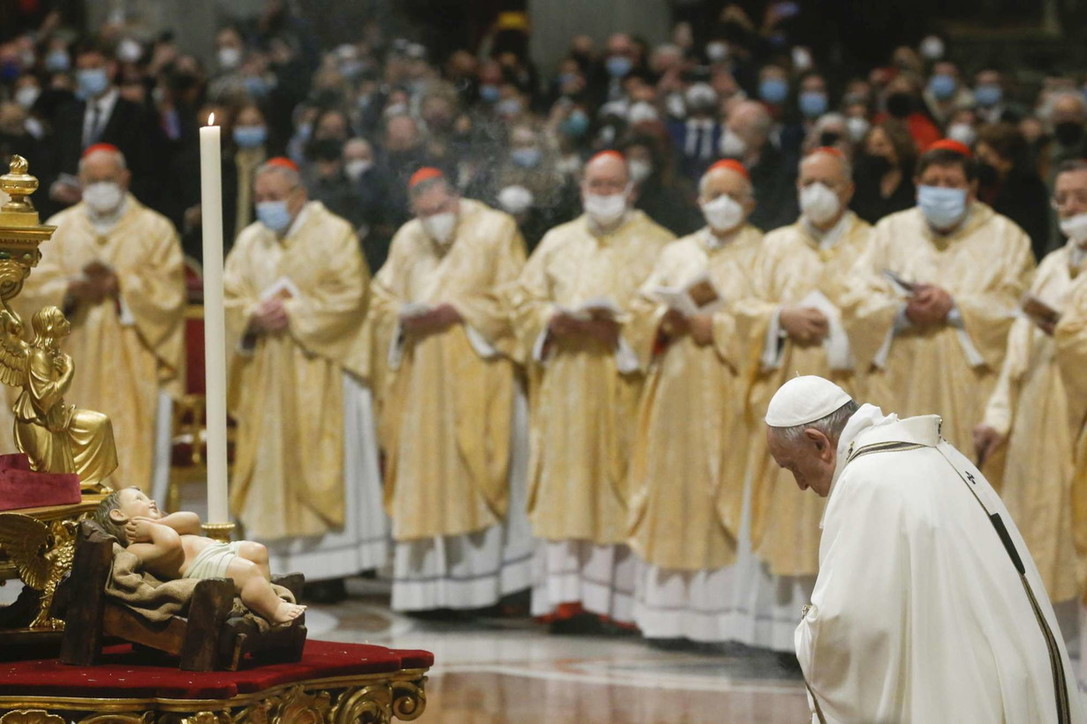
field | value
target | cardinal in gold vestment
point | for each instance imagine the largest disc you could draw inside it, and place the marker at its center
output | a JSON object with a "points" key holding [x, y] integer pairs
{"points": [[441, 320], [691, 440], [793, 322], [296, 290], [115, 268], [571, 305]]}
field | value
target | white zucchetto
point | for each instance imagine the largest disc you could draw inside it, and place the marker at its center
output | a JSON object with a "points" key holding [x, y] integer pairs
{"points": [[805, 399]]}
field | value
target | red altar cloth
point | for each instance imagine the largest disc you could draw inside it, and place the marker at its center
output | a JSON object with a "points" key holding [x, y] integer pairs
{"points": [[126, 674], [21, 487]]}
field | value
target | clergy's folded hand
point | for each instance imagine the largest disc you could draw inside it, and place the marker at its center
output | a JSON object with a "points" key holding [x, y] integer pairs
{"points": [[269, 316], [986, 441], [85, 290], [674, 324], [702, 329], [436, 320], [602, 329], [805, 325], [929, 305]]}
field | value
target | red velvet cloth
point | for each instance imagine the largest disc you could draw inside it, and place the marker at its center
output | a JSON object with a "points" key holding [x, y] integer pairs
{"points": [[21, 487], [124, 673]]}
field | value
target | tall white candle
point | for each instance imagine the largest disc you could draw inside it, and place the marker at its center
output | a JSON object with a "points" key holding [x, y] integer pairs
{"points": [[211, 210]]}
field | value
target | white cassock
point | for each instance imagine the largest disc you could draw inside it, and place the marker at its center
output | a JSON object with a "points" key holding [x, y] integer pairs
{"points": [[920, 613]]}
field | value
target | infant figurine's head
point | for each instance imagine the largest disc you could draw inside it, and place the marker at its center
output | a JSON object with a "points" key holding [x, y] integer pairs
{"points": [[121, 506]]}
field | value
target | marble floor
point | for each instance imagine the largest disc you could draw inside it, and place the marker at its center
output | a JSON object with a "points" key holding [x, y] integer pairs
{"points": [[492, 670]]}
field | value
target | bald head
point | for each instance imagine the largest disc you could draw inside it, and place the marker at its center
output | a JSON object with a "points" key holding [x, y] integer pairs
{"points": [[751, 121], [720, 181], [606, 174], [828, 165], [104, 165], [1068, 107]]}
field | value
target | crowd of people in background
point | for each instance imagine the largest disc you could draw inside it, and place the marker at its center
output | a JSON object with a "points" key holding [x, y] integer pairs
{"points": [[361, 117]]}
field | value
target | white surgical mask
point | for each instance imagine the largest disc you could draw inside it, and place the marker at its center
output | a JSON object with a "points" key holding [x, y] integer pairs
{"points": [[1075, 228], [640, 170], [605, 210], [856, 127], [103, 197], [230, 57], [723, 213], [963, 133], [942, 207], [819, 203], [440, 227], [356, 167], [732, 146], [515, 199], [26, 95]]}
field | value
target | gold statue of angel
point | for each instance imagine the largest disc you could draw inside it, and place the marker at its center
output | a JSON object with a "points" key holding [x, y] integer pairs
{"points": [[42, 553], [58, 438]]}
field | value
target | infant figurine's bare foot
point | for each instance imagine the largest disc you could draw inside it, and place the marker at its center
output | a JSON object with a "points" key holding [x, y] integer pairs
{"points": [[286, 612]]}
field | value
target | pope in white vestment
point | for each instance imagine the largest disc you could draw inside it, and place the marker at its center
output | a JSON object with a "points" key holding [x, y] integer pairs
{"points": [[928, 606]]}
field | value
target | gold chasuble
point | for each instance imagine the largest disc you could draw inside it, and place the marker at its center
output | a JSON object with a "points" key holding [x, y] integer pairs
{"points": [[1031, 404], [583, 394], [1070, 338], [126, 349], [793, 269], [691, 440], [448, 404], [948, 369], [286, 389]]}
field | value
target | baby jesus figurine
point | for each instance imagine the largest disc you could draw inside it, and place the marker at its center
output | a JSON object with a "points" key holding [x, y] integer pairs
{"points": [[171, 546]]}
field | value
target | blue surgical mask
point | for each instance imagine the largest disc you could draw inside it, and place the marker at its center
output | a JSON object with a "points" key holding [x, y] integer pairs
{"points": [[250, 136], [618, 66], [525, 157], [575, 125], [57, 61], [274, 215], [489, 93], [508, 107], [773, 90], [988, 94], [256, 86], [941, 86], [813, 103], [92, 82], [567, 78], [942, 207]]}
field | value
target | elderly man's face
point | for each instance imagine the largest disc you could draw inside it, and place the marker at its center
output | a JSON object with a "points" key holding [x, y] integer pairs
{"points": [[811, 460], [828, 170], [275, 186], [437, 199], [1070, 194]]}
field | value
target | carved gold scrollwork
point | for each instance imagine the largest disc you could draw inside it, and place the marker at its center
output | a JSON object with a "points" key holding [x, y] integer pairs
{"points": [[148, 717], [31, 716], [409, 699], [294, 705], [366, 705], [207, 717]]}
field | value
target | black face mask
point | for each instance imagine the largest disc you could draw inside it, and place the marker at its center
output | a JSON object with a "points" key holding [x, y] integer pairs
{"points": [[1068, 133], [987, 175], [829, 138], [876, 165], [899, 105]]}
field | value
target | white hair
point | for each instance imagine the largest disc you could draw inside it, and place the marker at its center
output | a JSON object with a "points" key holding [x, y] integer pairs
{"points": [[831, 426]]}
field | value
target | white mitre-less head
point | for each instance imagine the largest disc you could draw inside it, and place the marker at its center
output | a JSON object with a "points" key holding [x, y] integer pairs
{"points": [[804, 400]]}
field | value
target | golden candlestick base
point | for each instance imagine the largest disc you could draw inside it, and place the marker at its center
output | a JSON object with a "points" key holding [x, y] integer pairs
{"points": [[223, 532]]}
